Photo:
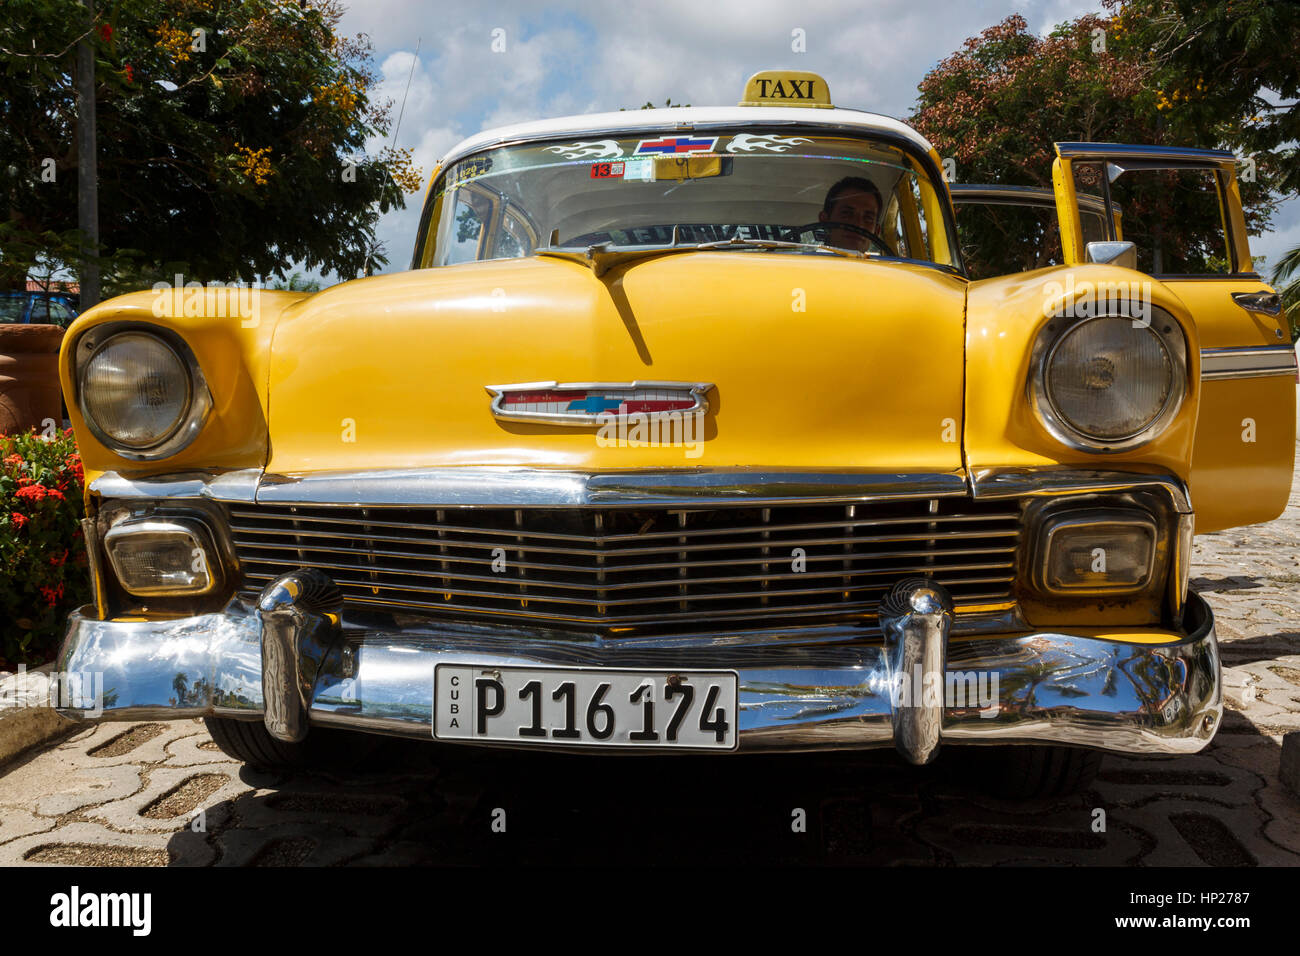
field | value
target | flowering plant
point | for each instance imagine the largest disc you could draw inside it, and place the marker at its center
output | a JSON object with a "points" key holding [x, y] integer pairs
{"points": [[42, 552]]}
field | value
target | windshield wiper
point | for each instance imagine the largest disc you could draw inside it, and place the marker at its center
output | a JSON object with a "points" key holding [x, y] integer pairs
{"points": [[603, 256]]}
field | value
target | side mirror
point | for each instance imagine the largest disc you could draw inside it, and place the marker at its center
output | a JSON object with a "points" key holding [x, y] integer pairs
{"points": [[1113, 253]]}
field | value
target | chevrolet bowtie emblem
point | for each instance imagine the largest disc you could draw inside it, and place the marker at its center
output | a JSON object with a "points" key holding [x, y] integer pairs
{"points": [[594, 403]]}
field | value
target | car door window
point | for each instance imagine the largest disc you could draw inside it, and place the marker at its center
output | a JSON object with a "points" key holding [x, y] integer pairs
{"points": [[468, 227], [1173, 216], [998, 238], [60, 313]]}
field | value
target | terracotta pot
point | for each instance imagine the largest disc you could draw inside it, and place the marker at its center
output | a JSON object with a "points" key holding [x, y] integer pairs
{"points": [[29, 377]]}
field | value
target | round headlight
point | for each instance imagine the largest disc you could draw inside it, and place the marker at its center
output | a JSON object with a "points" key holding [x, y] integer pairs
{"points": [[1111, 379], [136, 390]]}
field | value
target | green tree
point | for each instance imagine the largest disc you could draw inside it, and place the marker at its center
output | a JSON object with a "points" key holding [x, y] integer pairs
{"points": [[1223, 68], [297, 283], [998, 104], [230, 139], [1288, 271]]}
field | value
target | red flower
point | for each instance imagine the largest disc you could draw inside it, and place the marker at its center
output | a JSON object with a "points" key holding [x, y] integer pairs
{"points": [[130, 74], [106, 31], [52, 595], [56, 494], [18, 519], [13, 459], [26, 480], [34, 492], [56, 560]]}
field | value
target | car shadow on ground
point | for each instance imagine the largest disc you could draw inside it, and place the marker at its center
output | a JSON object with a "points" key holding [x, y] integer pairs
{"points": [[418, 803]]}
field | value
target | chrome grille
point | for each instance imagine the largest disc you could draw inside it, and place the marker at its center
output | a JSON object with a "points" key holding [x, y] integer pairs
{"points": [[611, 567]]}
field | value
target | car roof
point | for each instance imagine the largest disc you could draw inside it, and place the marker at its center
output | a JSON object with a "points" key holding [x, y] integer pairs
{"points": [[1012, 195], [687, 119]]}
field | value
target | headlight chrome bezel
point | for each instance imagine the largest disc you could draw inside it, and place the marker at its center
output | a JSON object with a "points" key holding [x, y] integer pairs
{"points": [[199, 400], [192, 529], [1168, 334]]}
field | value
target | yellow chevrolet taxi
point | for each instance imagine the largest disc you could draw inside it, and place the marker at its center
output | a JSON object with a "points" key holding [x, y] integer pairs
{"points": [[690, 430]]}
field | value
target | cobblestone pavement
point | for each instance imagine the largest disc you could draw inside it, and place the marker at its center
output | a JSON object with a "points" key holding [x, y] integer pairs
{"points": [[125, 794]]}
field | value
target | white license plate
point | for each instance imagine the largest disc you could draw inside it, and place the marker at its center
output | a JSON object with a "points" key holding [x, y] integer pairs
{"points": [[586, 706]]}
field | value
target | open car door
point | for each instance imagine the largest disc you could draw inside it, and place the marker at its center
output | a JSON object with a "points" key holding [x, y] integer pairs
{"points": [[1008, 229], [1183, 226]]}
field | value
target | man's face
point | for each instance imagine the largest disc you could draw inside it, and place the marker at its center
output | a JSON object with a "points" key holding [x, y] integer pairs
{"points": [[856, 208]]}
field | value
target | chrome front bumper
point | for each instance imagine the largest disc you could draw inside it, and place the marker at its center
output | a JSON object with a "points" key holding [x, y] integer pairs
{"points": [[292, 662]]}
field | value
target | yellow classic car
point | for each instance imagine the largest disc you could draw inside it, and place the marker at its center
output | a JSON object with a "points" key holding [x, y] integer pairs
{"points": [[689, 430]]}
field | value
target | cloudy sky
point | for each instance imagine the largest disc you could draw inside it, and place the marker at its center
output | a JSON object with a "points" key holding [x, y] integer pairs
{"points": [[571, 57]]}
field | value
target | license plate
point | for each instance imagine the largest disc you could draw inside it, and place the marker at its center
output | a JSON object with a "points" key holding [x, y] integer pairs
{"points": [[586, 706]]}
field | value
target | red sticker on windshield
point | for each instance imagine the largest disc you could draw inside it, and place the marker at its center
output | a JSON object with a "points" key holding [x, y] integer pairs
{"points": [[607, 171]]}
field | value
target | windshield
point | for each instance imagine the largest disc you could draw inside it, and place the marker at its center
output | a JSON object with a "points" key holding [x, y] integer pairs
{"points": [[845, 192]]}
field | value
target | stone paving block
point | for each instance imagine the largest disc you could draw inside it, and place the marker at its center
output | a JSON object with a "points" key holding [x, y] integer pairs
{"points": [[1289, 762], [290, 844], [93, 845], [211, 789], [194, 749], [1058, 836], [142, 742], [361, 811], [1194, 833], [188, 848], [60, 786], [16, 822]]}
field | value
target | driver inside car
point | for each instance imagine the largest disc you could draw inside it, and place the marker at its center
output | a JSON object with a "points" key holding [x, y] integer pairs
{"points": [[852, 206]]}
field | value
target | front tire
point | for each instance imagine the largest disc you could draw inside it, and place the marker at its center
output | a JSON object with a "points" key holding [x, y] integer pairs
{"points": [[1037, 772], [325, 748]]}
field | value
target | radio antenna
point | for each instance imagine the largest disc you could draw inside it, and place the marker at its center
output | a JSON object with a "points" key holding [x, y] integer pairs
{"points": [[414, 60]]}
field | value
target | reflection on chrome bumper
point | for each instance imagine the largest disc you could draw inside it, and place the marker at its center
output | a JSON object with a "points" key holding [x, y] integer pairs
{"points": [[292, 661]]}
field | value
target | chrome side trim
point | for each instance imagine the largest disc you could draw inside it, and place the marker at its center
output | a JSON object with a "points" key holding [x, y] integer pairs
{"points": [[1173, 154], [238, 485], [1258, 361], [1038, 482], [695, 390], [509, 487]]}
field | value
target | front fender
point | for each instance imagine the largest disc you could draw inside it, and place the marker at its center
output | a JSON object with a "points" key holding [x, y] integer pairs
{"points": [[229, 331], [1004, 317]]}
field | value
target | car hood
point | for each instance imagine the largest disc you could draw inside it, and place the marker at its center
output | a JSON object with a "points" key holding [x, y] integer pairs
{"points": [[817, 362]]}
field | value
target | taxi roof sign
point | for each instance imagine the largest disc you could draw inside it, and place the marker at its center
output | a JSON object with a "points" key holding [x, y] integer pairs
{"points": [[787, 88]]}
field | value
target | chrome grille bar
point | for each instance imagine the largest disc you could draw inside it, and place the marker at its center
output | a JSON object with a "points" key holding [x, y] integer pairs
{"points": [[624, 567]]}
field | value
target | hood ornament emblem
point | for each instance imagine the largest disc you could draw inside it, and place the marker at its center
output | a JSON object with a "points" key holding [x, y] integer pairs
{"points": [[595, 403]]}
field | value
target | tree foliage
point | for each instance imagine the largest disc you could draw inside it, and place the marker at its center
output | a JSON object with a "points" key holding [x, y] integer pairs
{"points": [[231, 138], [997, 105], [1224, 68]]}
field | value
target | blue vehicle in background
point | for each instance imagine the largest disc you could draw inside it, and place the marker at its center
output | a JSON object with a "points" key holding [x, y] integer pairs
{"points": [[37, 306]]}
